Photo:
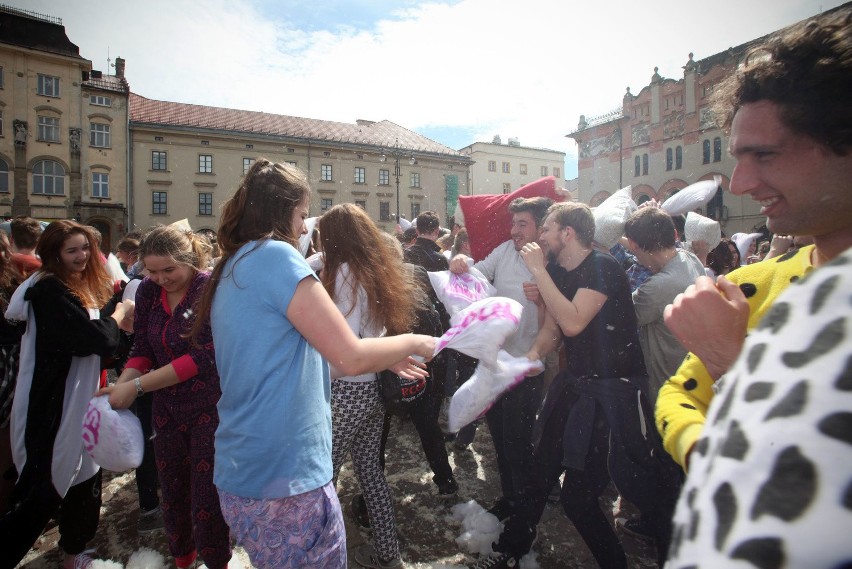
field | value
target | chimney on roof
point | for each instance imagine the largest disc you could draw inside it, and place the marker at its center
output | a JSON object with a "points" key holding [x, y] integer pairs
{"points": [[96, 74], [119, 67]]}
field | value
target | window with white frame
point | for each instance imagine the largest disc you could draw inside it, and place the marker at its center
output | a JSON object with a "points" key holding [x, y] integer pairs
{"points": [[48, 178], [384, 211], [384, 177], [415, 210], [4, 177], [360, 175], [544, 170], [326, 173], [415, 179], [48, 85], [205, 163], [100, 100], [507, 187], [205, 203], [48, 129], [362, 204], [325, 204], [247, 162], [99, 135], [158, 160], [492, 165], [159, 203], [507, 168], [100, 185], [557, 172], [523, 169]]}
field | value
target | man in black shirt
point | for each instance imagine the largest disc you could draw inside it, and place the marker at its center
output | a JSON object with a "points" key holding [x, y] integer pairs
{"points": [[596, 423]]}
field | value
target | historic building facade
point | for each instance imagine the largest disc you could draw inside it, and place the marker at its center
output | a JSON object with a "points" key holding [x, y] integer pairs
{"points": [[500, 168], [188, 159], [665, 138], [63, 128]]}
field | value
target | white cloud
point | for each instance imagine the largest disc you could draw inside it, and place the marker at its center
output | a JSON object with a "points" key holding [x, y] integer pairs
{"points": [[521, 69]]}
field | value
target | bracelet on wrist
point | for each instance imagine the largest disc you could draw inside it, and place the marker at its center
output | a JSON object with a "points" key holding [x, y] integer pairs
{"points": [[138, 383]]}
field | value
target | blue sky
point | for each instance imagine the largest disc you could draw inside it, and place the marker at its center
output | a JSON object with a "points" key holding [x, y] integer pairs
{"points": [[458, 72]]}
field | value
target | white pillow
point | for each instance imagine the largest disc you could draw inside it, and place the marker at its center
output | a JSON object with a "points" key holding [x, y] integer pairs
{"points": [[692, 197], [113, 438], [611, 215], [700, 228]]}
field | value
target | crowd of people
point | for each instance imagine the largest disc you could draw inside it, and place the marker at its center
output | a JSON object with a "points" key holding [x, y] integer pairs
{"points": [[255, 363]]}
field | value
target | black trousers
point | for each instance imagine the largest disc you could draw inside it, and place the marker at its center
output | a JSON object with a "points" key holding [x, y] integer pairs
{"points": [[511, 420], [424, 414], [619, 449], [147, 482], [35, 502]]}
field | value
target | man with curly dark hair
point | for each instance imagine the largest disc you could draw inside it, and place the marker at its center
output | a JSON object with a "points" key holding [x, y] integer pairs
{"points": [[790, 120]]}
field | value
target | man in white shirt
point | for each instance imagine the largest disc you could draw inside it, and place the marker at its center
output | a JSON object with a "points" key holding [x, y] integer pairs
{"points": [[512, 416]]}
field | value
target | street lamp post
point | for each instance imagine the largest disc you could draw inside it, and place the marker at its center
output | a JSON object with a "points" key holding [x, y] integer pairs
{"points": [[397, 154]]}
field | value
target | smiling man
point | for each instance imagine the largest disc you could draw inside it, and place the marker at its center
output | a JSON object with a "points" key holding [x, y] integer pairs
{"points": [[791, 134], [512, 416]]}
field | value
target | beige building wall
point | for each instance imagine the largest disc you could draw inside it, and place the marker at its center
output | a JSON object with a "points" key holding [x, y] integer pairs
{"points": [[501, 168], [68, 115], [198, 196]]}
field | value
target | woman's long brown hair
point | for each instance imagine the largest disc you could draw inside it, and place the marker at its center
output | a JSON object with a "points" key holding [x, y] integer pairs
{"points": [[261, 209], [93, 287], [349, 236]]}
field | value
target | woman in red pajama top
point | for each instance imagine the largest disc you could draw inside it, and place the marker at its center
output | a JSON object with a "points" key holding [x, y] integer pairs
{"points": [[182, 374]]}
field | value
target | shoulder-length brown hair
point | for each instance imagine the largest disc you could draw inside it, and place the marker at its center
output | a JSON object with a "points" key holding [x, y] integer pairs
{"points": [[349, 236], [261, 209], [94, 285]]}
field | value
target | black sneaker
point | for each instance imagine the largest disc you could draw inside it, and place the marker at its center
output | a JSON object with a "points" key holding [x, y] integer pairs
{"points": [[635, 527], [496, 561], [150, 521], [502, 509], [448, 490], [358, 511]]}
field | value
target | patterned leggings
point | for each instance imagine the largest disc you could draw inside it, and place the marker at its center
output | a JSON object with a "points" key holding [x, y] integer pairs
{"points": [[305, 530], [357, 417]]}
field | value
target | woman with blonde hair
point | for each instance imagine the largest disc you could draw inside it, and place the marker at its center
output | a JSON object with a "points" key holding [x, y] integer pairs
{"points": [[367, 281], [182, 375], [71, 325], [275, 326]]}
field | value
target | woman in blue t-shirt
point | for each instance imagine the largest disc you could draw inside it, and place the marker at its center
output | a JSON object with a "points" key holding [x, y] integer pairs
{"points": [[276, 330]]}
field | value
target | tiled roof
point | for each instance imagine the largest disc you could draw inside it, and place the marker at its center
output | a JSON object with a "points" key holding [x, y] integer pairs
{"points": [[108, 83], [379, 134]]}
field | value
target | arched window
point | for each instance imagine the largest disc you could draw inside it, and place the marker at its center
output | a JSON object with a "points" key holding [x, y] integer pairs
{"points": [[644, 164], [48, 178], [4, 177], [669, 159], [637, 166], [717, 149], [706, 151], [678, 157]]}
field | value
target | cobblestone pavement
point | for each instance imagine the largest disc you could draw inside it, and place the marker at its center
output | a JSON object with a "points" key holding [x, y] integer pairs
{"points": [[427, 532]]}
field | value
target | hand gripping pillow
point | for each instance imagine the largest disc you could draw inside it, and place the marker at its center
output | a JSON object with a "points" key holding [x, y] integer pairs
{"points": [[113, 438], [480, 329], [611, 215], [490, 380], [457, 292]]}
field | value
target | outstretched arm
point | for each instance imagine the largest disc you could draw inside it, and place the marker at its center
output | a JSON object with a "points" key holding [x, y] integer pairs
{"points": [[314, 315]]}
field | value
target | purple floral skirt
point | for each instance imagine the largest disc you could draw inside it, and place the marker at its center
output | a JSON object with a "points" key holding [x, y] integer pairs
{"points": [[305, 530]]}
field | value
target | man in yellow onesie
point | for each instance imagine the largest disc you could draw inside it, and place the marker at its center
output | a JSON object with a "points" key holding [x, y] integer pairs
{"points": [[790, 120]]}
